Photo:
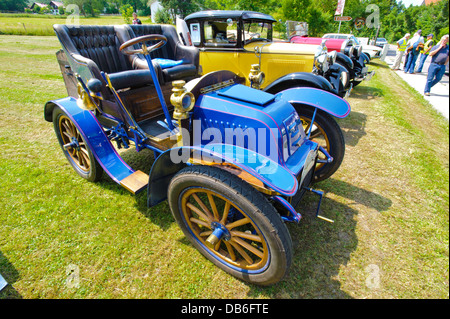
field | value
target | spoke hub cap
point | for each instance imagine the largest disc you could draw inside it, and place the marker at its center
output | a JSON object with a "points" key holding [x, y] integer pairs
{"points": [[219, 232]]}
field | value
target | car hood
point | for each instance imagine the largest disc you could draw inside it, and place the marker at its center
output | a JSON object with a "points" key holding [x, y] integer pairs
{"points": [[371, 47], [282, 47]]}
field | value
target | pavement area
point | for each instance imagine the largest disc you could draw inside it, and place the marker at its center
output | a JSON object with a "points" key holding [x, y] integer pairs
{"points": [[439, 95]]}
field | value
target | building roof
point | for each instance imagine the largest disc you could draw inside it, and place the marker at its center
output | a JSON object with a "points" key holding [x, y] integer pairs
{"points": [[57, 3], [41, 5], [428, 2]]}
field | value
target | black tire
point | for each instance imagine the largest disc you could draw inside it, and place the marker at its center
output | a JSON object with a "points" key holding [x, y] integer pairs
{"points": [[79, 156], [262, 236], [328, 134]]}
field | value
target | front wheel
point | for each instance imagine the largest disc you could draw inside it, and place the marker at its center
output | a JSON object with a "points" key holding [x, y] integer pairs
{"points": [[231, 224], [327, 133]]}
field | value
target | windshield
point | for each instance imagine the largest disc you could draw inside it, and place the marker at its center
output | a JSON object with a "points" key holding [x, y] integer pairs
{"points": [[257, 31], [354, 39], [220, 33]]}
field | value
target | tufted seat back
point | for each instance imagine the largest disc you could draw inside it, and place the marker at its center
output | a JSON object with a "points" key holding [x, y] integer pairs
{"points": [[101, 45], [166, 51]]}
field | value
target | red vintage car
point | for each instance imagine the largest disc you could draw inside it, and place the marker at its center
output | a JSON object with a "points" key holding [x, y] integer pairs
{"points": [[339, 45]]}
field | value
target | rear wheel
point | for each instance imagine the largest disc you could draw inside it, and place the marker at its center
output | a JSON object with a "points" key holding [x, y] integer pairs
{"points": [[75, 148], [231, 224], [327, 133]]}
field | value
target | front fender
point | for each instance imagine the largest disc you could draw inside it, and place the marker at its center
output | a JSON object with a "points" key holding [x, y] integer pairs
{"points": [[344, 60], [366, 59], [320, 99], [270, 173], [299, 79]]}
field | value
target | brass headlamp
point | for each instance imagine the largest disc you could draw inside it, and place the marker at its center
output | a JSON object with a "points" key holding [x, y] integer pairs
{"points": [[87, 97], [182, 100], [256, 76]]}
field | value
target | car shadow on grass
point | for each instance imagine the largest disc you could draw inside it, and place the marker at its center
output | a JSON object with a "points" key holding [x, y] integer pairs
{"points": [[379, 63], [353, 127], [362, 92], [11, 275], [321, 248]]}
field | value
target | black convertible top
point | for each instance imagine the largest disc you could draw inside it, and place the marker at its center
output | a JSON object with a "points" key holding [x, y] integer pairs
{"points": [[223, 14]]}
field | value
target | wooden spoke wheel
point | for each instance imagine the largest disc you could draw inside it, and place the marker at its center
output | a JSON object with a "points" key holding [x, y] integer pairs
{"points": [[327, 133], [74, 144], [75, 148], [231, 223]]}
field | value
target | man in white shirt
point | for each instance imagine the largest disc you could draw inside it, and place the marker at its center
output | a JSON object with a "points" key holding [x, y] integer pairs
{"points": [[413, 47]]}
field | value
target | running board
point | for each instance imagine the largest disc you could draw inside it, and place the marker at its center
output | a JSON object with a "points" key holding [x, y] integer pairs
{"points": [[135, 182]]}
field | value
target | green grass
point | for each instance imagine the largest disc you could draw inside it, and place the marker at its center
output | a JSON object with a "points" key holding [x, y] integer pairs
{"points": [[42, 25], [389, 201]]}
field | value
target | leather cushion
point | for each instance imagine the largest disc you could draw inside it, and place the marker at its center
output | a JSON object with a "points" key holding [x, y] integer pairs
{"points": [[179, 72], [134, 78]]}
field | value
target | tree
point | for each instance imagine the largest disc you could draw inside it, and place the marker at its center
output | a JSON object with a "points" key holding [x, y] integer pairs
{"points": [[13, 5], [87, 7], [135, 4], [127, 13], [181, 8]]}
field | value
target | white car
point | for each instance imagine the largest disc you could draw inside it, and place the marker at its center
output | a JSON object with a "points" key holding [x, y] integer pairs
{"points": [[371, 51]]}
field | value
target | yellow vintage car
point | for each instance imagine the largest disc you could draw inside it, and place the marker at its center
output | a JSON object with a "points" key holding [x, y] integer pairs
{"points": [[238, 40]]}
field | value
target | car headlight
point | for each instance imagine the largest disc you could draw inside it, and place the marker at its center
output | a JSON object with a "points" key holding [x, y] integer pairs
{"points": [[321, 62], [332, 57], [358, 51], [320, 57], [344, 78], [348, 51]]}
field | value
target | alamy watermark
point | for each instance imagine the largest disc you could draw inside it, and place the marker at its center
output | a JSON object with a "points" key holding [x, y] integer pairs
{"points": [[373, 276], [74, 17], [72, 276], [246, 145], [371, 21]]}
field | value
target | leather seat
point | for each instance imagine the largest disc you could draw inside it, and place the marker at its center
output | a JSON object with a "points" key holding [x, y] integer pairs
{"points": [[97, 47], [173, 50]]}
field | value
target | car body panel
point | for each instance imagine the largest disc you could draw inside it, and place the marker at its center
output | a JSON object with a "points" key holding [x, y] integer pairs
{"points": [[332, 44], [275, 61], [277, 58]]}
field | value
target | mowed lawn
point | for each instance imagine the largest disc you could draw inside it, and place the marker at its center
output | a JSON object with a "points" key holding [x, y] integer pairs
{"points": [[64, 237], [33, 24]]}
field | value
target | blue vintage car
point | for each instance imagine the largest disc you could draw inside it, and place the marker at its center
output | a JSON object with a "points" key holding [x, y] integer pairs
{"points": [[231, 161]]}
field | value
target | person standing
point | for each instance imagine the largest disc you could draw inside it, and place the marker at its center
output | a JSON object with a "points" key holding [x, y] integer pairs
{"points": [[408, 48], [439, 58], [401, 47], [424, 52], [135, 19], [414, 49]]}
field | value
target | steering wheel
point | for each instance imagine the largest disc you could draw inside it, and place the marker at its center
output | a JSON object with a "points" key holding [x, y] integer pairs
{"points": [[144, 49]]}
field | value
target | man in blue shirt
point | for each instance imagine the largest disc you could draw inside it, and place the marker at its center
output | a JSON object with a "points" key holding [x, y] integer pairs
{"points": [[439, 58]]}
